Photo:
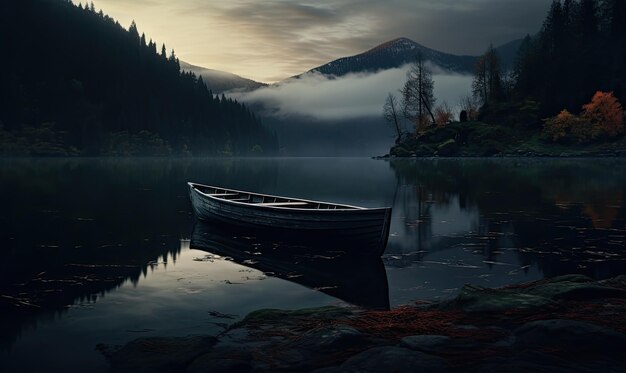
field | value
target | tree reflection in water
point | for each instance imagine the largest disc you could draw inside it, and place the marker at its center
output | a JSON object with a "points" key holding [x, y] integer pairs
{"points": [[565, 216]]}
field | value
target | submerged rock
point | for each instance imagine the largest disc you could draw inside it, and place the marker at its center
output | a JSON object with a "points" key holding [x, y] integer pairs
{"points": [[160, 354]]}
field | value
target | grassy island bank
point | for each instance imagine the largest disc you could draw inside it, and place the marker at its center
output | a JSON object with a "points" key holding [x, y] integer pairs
{"points": [[479, 139]]}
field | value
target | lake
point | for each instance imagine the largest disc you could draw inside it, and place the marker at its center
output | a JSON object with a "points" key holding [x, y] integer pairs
{"points": [[97, 250]]}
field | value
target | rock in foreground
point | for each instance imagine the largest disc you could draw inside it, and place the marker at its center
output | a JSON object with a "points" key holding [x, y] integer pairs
{"points": [[568, 324]]}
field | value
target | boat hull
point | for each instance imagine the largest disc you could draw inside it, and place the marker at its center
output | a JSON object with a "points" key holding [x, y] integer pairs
{"points": [[365, 229]]}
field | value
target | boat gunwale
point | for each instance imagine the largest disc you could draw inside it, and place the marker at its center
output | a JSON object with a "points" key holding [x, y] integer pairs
{"points": [[285, 208]]}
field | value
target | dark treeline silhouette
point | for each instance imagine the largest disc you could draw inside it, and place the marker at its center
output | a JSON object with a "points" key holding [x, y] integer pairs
{"points": [[73, 81], [581, 49]]}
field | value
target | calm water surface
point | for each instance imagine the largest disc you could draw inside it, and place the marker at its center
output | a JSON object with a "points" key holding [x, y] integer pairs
{"points": [[97, 251]]}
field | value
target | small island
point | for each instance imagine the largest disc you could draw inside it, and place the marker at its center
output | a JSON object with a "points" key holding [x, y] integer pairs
{"points": [[562, 96], [479, 139]]}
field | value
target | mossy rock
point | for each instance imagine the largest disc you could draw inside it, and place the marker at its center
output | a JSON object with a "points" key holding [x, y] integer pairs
{"points": [[480, 299], [535, 295], [442, 134], [270, 314], [425, 150], [399, 151], [576, 287], [448, 149], [619, 281]]}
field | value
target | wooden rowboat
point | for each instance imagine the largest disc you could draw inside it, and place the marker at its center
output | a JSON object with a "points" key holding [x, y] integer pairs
{"points": [[366, 228]]}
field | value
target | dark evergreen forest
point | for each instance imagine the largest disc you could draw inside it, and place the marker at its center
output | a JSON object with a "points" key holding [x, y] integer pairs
{"points": [[563, 97], [581, 49], [73, 81]]}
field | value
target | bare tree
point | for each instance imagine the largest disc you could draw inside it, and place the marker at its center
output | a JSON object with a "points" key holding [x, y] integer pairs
{"points": [[391, 112], [443, 114], [417, 94]]}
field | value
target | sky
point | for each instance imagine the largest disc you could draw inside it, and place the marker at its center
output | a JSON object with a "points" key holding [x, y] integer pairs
{"points": [[271, 40]]}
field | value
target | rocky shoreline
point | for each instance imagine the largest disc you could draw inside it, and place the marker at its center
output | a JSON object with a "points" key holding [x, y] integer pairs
{"points": [[478, 139], [519, 154], [565, 324]]}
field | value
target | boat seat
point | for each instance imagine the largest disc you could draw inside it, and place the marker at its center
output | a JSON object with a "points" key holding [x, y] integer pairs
{"points": [[278, 204], [223, 194]]}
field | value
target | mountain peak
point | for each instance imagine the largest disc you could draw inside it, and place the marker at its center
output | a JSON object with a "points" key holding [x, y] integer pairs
{"points": [[398, 41], [398, 44], [395, 53], [400, 51]]}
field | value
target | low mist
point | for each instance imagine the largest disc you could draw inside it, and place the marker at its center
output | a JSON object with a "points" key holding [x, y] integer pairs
{"points": [[315, 115]]}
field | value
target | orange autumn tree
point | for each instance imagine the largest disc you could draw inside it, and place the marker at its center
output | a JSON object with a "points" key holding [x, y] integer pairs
{"points": [[605, 114], [602, 117], [560, 126]]}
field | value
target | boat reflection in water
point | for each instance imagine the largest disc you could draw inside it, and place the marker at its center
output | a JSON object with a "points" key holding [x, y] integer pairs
{"points": [[326, 267]]}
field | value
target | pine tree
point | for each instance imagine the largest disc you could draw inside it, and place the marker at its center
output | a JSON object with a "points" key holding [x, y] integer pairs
{"points": [[521, 67], [586, 21], [487, 84], [136, 94], [132, 29]]}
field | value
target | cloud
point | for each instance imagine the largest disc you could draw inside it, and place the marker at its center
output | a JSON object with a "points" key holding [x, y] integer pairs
{"points": [[274, 39], [350, 97]]}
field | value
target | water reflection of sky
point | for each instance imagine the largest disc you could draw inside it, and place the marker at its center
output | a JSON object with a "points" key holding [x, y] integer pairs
{"points": [[189, 296]]}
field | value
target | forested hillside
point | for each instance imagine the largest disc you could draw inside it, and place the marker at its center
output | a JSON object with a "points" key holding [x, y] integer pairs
{"points": [[581, 49], [562, 98], [75, 82]]}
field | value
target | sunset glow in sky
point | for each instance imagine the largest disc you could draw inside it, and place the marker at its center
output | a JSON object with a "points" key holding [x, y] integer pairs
{"points": [[271, 40]]}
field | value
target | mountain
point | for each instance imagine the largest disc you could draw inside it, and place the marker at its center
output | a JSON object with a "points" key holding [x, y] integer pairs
{"points": [[398, 52], [221, 81], [392, 54], [75, 82]]}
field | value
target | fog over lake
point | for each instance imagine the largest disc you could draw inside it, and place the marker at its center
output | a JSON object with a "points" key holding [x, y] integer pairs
{"points": [[324, 108]]}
